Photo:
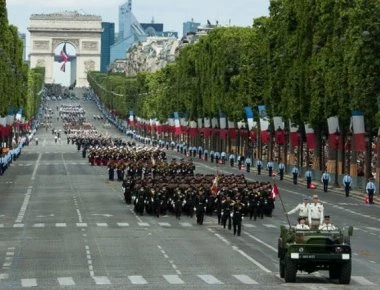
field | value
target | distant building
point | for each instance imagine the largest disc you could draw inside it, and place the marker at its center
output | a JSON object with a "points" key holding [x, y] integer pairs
{"points": [[22, 36], [130, 31], [190, 26], [153, 29], [107, 40]]}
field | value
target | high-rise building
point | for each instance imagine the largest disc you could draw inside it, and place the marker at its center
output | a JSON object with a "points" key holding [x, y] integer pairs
{"points": [[190, 26], [107, 40], [22, 36], [130, 31]]}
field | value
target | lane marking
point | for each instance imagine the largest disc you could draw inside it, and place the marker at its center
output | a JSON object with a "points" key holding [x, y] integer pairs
{"points": [[24, 205], [101, 280], [60, 225], [137, 280], [36, 167], [362, 281], [66, 281], [173, 279], [245, 279], [249, 258], [209, 279], [123, 224], [29, 282]]}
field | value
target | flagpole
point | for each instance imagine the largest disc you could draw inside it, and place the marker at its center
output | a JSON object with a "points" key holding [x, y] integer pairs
{"points": [[283, 206]]}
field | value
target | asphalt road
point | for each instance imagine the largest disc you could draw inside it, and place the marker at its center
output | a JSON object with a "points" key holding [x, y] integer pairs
{"points": [[64, 225]]}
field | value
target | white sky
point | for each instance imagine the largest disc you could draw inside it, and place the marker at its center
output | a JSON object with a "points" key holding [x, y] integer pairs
{"points": [[172, 13]]}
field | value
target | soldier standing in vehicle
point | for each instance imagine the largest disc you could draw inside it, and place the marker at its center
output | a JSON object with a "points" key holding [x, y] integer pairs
{"points": [[316, 212], [302, 209]]}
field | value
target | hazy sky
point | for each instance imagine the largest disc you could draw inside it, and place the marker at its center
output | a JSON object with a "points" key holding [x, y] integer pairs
{"points": [[172, 13]]}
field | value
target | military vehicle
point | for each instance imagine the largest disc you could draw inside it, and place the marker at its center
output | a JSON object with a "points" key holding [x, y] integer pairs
{"points": [[315, 250]]}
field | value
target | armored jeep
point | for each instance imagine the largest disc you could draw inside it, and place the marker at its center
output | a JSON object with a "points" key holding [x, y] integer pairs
{"points": [[315, 250]]}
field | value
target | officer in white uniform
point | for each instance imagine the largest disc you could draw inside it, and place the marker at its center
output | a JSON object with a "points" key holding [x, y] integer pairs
{"points": [[302, 209], [326, 225], [316, 213], [302, 225]]}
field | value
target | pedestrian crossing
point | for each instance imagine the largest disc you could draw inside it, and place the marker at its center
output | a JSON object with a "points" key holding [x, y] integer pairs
{"points": [[201, 280], [119, 225]]}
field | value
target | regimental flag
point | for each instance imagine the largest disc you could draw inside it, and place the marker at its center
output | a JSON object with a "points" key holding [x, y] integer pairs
{"points": [[131, 119], [262, 111], [214, 186], [357, 127], [334, 139], [310, 136], [264, 125], [231, 130], [275, 192], [294, 134], [177, 125], [207, 130], [249, 115], [279, 127], [64, 58], [223, 126], [193, 131]]}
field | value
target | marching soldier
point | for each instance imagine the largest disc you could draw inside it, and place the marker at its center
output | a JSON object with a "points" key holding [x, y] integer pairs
{"points": [[226, 212], [237, 216]]}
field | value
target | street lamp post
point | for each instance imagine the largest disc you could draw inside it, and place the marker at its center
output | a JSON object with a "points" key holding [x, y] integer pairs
{"points": [[337, 137]]}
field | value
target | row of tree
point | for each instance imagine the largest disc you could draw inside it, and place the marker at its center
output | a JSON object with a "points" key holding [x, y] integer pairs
{"points": [[307, 61], [19, 85]]}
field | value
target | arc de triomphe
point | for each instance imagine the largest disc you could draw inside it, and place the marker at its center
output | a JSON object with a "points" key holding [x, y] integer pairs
{"points": [[47, 31]]}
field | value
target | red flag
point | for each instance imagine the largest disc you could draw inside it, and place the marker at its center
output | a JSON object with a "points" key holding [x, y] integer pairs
{"points": [[65, 58], [275, 191], [214, 186]]}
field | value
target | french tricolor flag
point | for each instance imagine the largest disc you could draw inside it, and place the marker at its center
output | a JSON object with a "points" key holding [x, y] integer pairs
{"points": [[177, 124], [264, 125], [357, 125], [294, 135], [334, 140], [310, 136]]}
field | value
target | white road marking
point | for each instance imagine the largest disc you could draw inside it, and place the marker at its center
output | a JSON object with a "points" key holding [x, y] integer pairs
{"points": [[186, 224], [28, 282], [24, 205], [102, 224], [39, 225], [123, 224], [361, 280], [66, 281], [101, 280], [164, 224], [81, 225], [261, 242], [36, 167], [249, 226], [245, 279], [18, 225], [209, 279], [143, 224], [137, 280], [269, 226], [60, 225], [4, 276], [1, 225], [173, 279], [249, 258]]}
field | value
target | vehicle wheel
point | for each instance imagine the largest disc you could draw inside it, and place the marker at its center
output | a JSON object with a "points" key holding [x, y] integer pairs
{"points": [[290, 270], [282, 268], [334, 271], [345, 273]]}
